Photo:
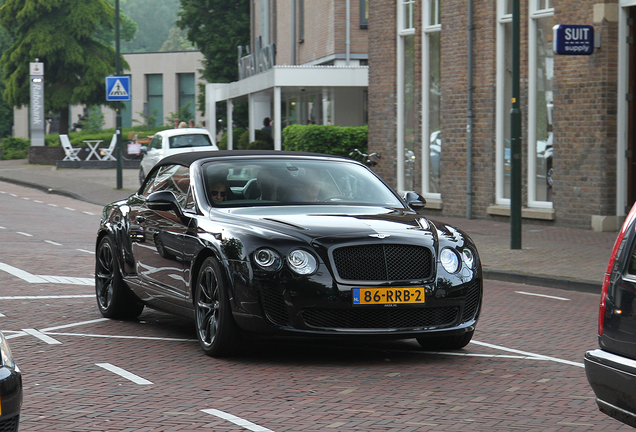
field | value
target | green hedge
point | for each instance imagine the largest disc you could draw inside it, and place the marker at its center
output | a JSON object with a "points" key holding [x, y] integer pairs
{"points": [[14, 148], [259, 135], [333, 140], [236, 135]]}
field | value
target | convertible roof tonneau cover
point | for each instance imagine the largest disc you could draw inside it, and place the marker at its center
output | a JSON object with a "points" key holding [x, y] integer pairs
{"points": [[187, 159]]}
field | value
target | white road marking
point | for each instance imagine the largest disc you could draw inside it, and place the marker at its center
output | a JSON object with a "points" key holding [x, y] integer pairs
{"points": [[48, 339], [13, 195], [24, 234], [52, 242], [1, 227], [26, 198], [53, 205], [529, 354], [47, 297], [38, 201], [81, 323], [30, 278], [2, 315], [237, 420], [124, 373], [86, 251], [89, 213], [123, 337], [68, 208], [543, 295]]}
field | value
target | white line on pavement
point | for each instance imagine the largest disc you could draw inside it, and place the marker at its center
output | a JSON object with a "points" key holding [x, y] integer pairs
{"points": [[81, 323], [123, 337], [30, 278], [237, 420], [89, 213], [68, 208], [52, 242], [1, 227], [25, 276], [543, 295], [124, 373], [48, 339], [24, 234], [48, 297], [53, 205], [529, 354], [86, 251]]}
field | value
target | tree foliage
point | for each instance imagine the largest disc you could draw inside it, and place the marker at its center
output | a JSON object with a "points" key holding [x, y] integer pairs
{"points": [[62, 35], [154, 19], [217, 28]]}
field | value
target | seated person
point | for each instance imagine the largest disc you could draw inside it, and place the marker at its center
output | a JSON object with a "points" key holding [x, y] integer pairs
{"points": [[218, 191], [307, 189]]}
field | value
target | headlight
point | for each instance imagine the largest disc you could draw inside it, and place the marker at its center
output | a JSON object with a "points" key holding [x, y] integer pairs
{"points": [[267, 259], [449, 260], [7, 357], [468, 257], [302, 262]]}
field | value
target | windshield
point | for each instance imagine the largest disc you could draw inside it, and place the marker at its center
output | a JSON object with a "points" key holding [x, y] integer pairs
{"points": [[288, 181], [189, 140]]}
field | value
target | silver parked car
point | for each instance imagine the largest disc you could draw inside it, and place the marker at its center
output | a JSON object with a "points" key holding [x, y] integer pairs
{"points": [[173, 141]]}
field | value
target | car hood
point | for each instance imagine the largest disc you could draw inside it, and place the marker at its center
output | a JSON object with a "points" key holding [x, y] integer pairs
{"points": [[321, 223]]}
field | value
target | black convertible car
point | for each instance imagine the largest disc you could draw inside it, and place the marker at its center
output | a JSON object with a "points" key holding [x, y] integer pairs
{"points": [[285, 243]]}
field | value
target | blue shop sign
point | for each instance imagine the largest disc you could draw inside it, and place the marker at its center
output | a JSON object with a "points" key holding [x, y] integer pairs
{"points": [[573, 39]]}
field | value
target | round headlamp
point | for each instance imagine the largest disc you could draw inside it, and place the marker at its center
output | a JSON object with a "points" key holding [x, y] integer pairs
{"points": [[267, 259], [302, 262], [468, 257], [449, 260]]}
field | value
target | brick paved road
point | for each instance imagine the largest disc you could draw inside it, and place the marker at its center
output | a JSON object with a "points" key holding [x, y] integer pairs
{"points": [[522, 372]]}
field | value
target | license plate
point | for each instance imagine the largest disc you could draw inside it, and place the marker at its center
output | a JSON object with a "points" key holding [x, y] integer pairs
{"points": [[380, 296]]}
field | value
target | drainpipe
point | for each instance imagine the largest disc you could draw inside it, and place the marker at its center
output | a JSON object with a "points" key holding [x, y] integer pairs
{"points": [[469, 118], [293, 32], [348, 35]]}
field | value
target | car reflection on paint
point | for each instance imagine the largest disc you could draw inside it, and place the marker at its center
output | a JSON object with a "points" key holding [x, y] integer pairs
{"points": [[300, 245], [10, 389]]}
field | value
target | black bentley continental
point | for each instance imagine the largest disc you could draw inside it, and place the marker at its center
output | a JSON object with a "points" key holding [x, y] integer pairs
{"points": [[250, 243]]}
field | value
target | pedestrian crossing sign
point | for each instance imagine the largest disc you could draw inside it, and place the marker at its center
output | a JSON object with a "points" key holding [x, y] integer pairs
{"points": [[118, 88]]}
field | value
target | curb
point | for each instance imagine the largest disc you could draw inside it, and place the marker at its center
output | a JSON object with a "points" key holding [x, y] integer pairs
{"points": [[544, 281], [49, 190]]}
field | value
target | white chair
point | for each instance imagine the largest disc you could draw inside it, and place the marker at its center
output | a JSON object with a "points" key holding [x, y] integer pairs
{"points": [[107, 153], [71, 154]]}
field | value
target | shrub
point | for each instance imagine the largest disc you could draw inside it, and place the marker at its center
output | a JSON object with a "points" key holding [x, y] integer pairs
{"points": [[260, 145], [327, 139], [236, 134], [14, 148], [259, 135]]}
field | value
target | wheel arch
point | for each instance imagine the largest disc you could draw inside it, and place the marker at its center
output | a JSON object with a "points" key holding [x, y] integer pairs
{"points": [[204, 254]]}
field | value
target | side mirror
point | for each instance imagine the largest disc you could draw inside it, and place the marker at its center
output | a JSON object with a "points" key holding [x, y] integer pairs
{"points": [[143, 149], [415, 200], [164, 201]]}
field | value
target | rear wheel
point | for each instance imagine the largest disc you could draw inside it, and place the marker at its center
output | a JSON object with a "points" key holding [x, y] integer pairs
{"points": [[217, 332], [438, 343], [114, 298]]}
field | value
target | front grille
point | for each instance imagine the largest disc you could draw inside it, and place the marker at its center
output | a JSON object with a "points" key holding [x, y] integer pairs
{"points": [[274, 304], [10, 425], [383, 262], [472, 301], [400, 319]]}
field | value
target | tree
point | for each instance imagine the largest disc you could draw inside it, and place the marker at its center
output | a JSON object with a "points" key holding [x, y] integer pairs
{"points": [[154, 19], [217, 28], [177, 41], [62, 35]]}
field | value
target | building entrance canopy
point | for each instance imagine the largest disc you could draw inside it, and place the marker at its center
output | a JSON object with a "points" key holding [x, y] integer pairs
{"points": [[338, 94]]}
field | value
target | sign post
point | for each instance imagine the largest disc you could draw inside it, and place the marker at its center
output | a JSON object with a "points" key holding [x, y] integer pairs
{"points": [[38, 122]]}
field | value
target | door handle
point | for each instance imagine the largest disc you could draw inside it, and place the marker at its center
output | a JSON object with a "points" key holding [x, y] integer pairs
{"points": [[140, 218]]}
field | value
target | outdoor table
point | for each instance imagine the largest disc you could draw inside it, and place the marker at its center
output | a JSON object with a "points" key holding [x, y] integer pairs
{"points": [[92, 145]]}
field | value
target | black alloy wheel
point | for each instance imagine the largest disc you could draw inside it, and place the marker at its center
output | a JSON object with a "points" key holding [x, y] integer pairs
{"points": [[217, 332], [438, 343], [114, 298]]}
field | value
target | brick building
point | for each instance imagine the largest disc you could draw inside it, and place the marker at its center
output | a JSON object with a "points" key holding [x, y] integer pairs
{"points": [[576, 133]]}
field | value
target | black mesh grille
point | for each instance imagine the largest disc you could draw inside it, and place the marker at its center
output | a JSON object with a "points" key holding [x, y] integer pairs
{"points": [[10, 425], [383, 262], [379, 318], [472, 301], [274, 304]]}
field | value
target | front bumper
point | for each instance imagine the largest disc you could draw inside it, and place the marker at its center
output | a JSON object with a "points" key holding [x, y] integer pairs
{"points": [[613, 379]]}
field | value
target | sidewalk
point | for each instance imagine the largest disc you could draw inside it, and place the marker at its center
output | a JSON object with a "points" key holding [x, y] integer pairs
{"points": [[550, 256]]}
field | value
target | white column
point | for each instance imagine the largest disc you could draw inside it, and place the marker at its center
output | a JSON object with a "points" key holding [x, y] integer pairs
{"points": [[251, 122], [210, 108], [278, 132], [230, 126]]}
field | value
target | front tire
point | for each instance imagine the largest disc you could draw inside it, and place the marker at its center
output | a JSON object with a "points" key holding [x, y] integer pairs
{"points": [[217, 332], [439, 343], [114, 298]]}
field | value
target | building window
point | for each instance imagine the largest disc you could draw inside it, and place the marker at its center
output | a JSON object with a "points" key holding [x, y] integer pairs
{"points": [[504, 101], [406, 113], [431, 100], [186, 96], [154, 90], [540, 106], [364, 14]]}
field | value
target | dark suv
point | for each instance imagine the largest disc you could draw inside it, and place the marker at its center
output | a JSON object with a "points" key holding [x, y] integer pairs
{"points": [[611, 370]]}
